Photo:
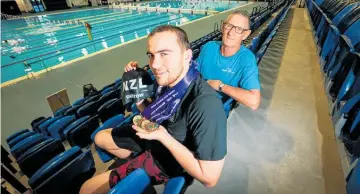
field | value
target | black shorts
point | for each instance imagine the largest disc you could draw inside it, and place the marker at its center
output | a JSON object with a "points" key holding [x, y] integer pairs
{"points": [[125, 137]]}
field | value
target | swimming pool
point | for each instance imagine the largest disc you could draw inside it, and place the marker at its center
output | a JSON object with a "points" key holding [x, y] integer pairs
{"points": [[195, 4], [47, 40]]}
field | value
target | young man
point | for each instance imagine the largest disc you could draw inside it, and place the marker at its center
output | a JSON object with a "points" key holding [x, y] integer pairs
{"points": [[229, 66], [192, 140]]}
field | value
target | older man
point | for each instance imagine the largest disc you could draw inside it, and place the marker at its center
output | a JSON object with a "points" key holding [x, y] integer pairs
{"points": [[229, 66]]}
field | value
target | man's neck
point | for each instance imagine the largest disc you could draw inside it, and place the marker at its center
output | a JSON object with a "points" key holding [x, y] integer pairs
{"points": [[229, 51]]}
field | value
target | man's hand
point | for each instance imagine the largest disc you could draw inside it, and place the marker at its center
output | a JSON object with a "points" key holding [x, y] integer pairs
{"points": [[159, 134], [214, 84], [132, 65]]}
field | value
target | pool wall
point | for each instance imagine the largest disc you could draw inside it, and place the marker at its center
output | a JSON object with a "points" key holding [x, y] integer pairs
{"points": [[26, 100]]}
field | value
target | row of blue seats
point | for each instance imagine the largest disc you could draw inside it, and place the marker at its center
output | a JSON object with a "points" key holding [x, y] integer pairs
{"points": [[44, 147], [336, 29]]}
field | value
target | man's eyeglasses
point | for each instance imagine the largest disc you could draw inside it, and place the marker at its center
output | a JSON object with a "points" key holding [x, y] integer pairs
{"points": [[238, 29]]}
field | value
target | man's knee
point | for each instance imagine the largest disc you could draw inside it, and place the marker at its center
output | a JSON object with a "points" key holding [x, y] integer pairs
{"points": [[102, 137]]}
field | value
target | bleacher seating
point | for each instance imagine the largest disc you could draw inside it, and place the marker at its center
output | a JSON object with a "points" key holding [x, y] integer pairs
{"points": [[336, 27], [77, 124]]}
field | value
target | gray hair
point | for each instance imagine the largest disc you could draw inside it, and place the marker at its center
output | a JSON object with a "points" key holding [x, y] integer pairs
{"points": [[241, 13]]}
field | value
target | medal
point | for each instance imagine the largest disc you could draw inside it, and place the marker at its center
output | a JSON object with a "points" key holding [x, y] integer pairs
{"points": [[140, 121]]}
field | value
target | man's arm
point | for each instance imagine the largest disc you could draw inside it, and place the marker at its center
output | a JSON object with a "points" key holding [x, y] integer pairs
{"points": [[250, 98], [207, 124], [207, 172]]}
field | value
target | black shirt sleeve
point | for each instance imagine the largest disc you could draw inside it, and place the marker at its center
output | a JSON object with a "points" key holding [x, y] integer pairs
{"points": [[207, 123]]}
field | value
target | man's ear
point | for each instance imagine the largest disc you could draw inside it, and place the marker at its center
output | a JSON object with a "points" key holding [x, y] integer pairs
{"points": [[246, 34], [188, 55]]}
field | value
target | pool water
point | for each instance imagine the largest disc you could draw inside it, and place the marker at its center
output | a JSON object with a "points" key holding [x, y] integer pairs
{"points": [[46, 40]]}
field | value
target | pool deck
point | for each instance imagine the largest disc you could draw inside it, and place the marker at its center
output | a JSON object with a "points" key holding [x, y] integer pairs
{"points": [[247, 7]]}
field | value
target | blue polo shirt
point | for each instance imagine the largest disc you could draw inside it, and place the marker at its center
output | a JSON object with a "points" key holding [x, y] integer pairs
{"points": [[239, 70]]}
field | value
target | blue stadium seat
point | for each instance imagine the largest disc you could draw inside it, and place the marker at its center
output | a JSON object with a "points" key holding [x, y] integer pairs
{"points": [[109, 95], [32, 160], [79, 101], [73, 125], [81, 134], [110, 108], [330, 44], [105, 156], [255, 44], [36, 121], [92, 98], [341, 112], [73, 109], [25, 144], [14, 135], [343, 13], [353, 183], [61, 111], [36, 125], [43, 127], [349, 20], [339, 74], [260, 53], [138, 182], [65, 173], [20, 137], [353, 33], [175, 185], [135, 183], [341, 51], [88, 109], [110, 123], [57, 128]]}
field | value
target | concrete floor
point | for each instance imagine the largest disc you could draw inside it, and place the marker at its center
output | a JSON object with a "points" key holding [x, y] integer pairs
{"points": [[287, 145]]}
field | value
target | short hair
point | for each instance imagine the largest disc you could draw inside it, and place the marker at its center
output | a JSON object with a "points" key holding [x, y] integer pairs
{"points": [[180, 33], [241, 13]]}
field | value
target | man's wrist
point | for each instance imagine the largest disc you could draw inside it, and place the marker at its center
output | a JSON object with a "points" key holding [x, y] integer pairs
{"points": [[221, 86]]}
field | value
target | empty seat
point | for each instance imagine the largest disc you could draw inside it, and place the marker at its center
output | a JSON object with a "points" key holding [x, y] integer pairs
{"points": [[109, 95], [329, 46], [20, 137], [57, 128], [73, 109], [13, 136], [92, 98], [342, 50], [35, 121], [353, 183], [32, 160], [339, 73], [74, 125], [26, 144], [353, 32], [38, 123], [110, 108], [79, 101], [110, 123], [80, 135], [343, 13], [65, 173], [43, 127], [196, 53], [349, 20], [88, 109], [61, 111]]}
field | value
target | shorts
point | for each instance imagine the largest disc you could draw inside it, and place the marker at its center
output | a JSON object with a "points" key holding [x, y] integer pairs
{"points": [[125, 137]]}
